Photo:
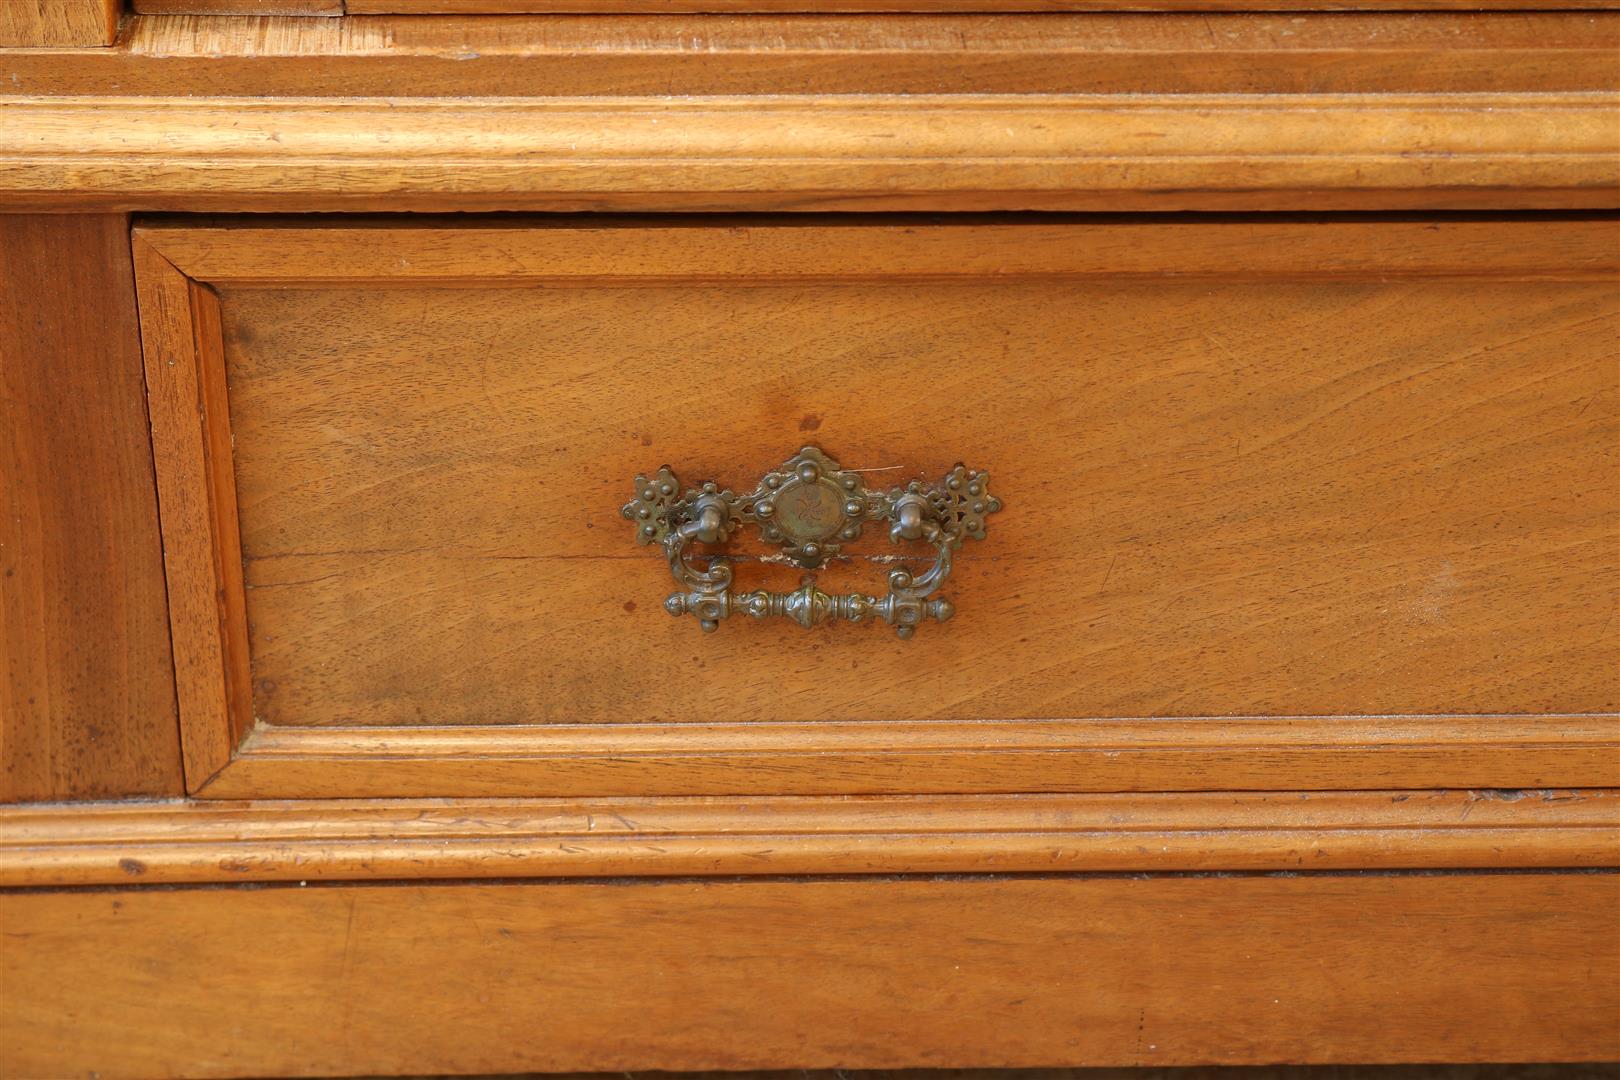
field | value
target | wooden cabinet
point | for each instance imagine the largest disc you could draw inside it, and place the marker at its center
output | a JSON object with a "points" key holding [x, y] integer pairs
{"points": [[1278, 719]]}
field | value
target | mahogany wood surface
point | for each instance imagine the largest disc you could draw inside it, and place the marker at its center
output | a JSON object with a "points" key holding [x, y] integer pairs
{"points": [[863, 973], [165, 843], [58, 23], [86, 685], [562, 55]]}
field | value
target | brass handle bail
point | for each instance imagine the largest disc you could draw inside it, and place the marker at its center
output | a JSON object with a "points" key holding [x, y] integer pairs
{"points": [[810, 505]]}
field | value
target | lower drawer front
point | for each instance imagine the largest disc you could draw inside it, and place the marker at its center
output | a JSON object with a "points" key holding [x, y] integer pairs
{"points": [[1344, 469], [879, 973]]}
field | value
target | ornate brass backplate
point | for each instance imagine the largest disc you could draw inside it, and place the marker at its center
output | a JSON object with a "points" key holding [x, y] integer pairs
{"points": [[811, 506]]}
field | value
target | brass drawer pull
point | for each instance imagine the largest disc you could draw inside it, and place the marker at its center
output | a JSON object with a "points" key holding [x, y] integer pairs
{"points": [[810, 505]]}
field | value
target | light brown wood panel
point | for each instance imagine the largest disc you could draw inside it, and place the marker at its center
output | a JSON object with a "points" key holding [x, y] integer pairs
{"points": [[288, 981], [385, 56], [86, 694], [510, 838], [58, 23], [937, 151], [1318, 496]]}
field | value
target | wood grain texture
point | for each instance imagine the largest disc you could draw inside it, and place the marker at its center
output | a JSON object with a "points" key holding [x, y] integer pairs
{"points": [[58, 23], [461, 839], [860, 152], [197, 497], [86, 693], [429, 478], [383, 56], [875, 973], [379, 478]]}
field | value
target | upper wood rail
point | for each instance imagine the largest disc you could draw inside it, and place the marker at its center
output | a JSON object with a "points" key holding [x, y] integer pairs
{"points": [[1203, 151], [617, 55], [509, 838]]}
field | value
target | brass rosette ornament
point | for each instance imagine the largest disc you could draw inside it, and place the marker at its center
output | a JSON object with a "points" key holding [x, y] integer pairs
{"points": [[811, 506]]}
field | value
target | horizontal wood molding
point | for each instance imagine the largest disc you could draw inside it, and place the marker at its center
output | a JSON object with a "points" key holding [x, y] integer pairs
{"points": [[573, 56], [1258, 754], [1075, 151], [871, 972], [518, 838]]}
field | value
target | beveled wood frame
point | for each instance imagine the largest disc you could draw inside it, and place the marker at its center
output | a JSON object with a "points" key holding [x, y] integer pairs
{"points": [[229, 755]]}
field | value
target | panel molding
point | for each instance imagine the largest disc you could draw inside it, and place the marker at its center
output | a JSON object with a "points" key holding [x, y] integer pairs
{"points": [[525, 251], [1181, 151], [363, 840], [1098, 755], [182, 351]]}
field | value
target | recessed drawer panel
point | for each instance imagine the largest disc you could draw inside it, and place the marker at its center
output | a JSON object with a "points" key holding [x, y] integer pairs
{"points": [[1268, 490]]}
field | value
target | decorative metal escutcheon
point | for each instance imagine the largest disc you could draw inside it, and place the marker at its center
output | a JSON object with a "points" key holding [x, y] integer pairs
{"points": [[811, 506]]}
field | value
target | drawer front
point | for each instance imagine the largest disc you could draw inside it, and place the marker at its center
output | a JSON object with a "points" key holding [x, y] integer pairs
{"points": [[877, 973], [1286, 504]]}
